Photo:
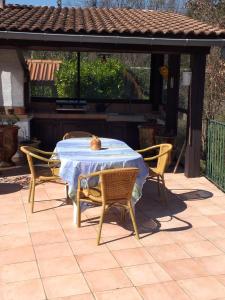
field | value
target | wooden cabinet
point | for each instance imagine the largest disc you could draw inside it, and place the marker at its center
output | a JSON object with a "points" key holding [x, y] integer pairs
{"points": [[125, 131], [97, 127], [46, 130], [50, 130]]}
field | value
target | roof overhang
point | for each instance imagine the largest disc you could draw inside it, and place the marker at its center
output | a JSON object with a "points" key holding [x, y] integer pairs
{"points": [[114, 39]]}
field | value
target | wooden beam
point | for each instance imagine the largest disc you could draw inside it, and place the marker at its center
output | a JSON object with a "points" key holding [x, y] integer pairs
{"points": [[172, 94], [85, 47], [156, 81], [195, 109]]}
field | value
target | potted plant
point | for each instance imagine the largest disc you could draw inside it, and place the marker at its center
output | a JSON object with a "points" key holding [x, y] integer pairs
{"points": [[8, 137]]}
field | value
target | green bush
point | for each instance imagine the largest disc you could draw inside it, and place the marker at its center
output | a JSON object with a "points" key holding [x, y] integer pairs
{"points": [[98, 79], [43, 90]]}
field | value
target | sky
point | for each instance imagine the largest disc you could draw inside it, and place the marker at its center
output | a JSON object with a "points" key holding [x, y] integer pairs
{"points": [[41, 2], [47, 2]]}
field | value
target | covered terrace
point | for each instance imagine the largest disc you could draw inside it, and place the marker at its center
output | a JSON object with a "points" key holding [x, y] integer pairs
{"points": [[181, 250], [165, 35]]}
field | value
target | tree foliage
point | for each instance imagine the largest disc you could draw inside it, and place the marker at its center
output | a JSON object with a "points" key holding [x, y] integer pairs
{"points": [[173, 5], [210, 11], [213, 12], [99, 79]]}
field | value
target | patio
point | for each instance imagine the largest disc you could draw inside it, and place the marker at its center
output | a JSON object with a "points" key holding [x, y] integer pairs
{"points": [[181, 252]]}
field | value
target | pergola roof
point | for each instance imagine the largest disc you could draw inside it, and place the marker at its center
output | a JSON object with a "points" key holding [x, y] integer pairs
{"points": [[107, 21]]}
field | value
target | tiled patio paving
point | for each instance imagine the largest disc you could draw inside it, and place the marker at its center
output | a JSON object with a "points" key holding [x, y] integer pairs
{"points": [[181, 253]]}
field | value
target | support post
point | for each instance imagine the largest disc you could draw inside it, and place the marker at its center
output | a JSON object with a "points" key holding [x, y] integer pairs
{"points": [[156, 81], [195, 109], [78, 75], [173, 94]]}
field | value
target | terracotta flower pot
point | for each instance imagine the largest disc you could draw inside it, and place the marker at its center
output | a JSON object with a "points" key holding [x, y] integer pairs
{"points": [[8, 144], [19, 110]]}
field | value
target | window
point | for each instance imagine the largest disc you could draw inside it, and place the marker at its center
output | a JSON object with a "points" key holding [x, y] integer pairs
{"points": [[94, 76]]}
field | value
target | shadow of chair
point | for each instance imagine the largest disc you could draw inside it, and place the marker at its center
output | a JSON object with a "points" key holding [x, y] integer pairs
{"points": [[151, 209], [152, 216], [9, 188]]}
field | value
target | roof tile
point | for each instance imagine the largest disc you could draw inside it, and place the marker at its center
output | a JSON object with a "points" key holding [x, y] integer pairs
{"points": [[103, 20]]}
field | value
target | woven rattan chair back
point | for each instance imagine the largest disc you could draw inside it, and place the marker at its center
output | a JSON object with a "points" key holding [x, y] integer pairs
{"points": [[46, 158], [76, 134], [164, 153], [118, 184], [162, 158], [30, 153]]}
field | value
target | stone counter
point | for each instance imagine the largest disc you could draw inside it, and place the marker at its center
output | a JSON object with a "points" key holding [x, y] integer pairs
{"points": [[111, 117]]}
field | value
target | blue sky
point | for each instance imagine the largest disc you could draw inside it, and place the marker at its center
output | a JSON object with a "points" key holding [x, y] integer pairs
{"points": [[43, 2], [51, 2]]}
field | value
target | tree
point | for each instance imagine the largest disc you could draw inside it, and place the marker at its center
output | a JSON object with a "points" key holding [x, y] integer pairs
{"points": [[173, 5], [59, 3], [213, 12], [98, 79]]}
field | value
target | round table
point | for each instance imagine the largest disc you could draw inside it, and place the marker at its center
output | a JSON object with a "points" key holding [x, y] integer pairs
{"points": [[78, 158]]}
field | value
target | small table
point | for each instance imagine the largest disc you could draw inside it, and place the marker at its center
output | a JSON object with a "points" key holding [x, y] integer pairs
{"points": [[77, 158]]}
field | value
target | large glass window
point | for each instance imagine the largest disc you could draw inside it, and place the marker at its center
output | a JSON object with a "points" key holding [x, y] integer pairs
{"points": [[94, 76]]}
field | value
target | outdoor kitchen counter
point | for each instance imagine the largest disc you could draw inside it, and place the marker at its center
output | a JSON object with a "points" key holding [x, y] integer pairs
{"points": [[110, 117], [51, 127]]}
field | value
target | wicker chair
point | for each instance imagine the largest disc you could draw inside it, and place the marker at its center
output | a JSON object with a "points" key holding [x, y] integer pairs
{"points": [[114, 189], [162, 160], [76, 134], [52, 168]]}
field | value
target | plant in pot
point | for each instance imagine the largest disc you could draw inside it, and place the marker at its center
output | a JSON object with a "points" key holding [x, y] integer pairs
{"points": [[8, 137]]}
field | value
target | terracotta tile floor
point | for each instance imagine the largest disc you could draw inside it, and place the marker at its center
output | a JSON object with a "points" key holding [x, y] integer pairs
{"points": [[181, 253]]}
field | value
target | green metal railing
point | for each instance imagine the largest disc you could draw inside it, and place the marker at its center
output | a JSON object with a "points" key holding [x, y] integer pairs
{"points": [[215, 167]]}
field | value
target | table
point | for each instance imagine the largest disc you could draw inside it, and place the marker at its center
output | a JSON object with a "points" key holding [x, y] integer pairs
{"points": [[77, 158]]}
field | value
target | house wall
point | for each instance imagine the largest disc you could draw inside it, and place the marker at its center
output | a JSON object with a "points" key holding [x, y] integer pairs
{"points": [[12, 89], [11, 79]]}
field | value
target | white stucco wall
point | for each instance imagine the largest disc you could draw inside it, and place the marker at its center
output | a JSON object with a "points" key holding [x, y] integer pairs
{"points": [[11, 79]]}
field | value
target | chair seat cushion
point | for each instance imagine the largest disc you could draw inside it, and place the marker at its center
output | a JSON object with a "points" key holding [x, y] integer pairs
{"points": [[93, 193], [55, 171]]}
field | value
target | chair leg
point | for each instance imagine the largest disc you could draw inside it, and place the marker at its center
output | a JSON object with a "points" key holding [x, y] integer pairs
{"points": [[133, 219], [32, 196], [30, 189], [100, 224], [123, 214], [158, 185], [164, 190], [78, 213], [67, 191]]}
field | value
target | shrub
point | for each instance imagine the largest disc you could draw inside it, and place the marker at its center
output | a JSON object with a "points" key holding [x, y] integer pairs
{"points": [[99, 79]]}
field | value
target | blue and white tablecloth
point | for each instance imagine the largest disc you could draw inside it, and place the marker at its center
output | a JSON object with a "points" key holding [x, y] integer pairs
{"points": [[77, 158]]}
